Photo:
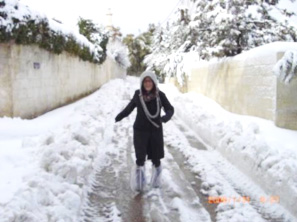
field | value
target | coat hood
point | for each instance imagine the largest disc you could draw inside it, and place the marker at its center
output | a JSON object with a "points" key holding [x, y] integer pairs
{"points": [[150, 74]]}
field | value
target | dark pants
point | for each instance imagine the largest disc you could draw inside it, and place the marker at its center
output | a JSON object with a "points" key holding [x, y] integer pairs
{"points": [[148, 144]]}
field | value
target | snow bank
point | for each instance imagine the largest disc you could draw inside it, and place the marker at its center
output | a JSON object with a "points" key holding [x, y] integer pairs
{"points": [[254, 145], [193, 60], [267, 49], [57, 162]]}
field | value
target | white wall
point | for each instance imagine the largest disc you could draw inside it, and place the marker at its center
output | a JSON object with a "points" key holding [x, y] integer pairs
{"points": [[246, 84], [5, 86], [59, 80]]}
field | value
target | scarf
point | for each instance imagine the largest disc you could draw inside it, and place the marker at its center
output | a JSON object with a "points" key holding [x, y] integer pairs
{"points": [[147, 113], [148, 96]]}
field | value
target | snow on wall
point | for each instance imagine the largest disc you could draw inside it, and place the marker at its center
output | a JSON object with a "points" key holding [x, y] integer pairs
{"points": [[246, 84], [37, 81]]}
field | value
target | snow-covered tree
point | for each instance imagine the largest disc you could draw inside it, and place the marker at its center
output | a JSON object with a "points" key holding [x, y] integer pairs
{"points": [[226, 28], [219, 28], [139, 47], [170, 42]]}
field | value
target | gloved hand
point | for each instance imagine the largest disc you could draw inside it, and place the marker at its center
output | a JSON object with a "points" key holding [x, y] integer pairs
{"points": [[118, 118], [163, 119]]}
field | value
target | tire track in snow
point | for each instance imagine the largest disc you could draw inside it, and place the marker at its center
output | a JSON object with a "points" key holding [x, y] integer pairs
{"points": [[270, 211], [179, 193], [100, 204], [100, 198], [130, 205], [110, 198], [194, 180], [232, 177]]}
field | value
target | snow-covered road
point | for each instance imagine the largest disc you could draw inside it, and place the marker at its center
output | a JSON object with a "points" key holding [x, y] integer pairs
{"points": [[191, 175], [110, 198], [78, 170]]}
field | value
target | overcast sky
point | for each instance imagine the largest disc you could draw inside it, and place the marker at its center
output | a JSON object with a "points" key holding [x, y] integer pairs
{"points": [[132, 16]]}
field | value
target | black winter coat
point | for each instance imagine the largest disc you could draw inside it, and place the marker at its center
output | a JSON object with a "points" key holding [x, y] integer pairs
{"points": [[148, 139]]}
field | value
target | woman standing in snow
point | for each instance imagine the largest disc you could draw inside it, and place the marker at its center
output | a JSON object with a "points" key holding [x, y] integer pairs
{"points": [[148, 131]]}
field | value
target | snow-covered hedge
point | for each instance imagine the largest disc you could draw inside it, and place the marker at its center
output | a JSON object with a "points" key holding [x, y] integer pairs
{"points": [[21, 25]]}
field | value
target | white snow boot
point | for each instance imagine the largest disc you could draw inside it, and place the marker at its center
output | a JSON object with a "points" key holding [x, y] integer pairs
{"points": [[138, 180], [156, 177]]}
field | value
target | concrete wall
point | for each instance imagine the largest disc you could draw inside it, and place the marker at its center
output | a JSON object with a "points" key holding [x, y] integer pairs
{"points": [[5, 82], [240, 86], [34, 81], [247, 85]]}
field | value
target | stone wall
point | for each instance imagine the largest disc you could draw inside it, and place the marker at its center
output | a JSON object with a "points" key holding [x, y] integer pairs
{"points": [[246, 84], [34, 81]]}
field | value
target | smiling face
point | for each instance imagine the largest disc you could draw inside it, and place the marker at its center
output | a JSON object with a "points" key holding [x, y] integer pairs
{"points": [[148, 84]]}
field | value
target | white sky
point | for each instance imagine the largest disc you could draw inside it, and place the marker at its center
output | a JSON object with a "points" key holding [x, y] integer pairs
{"points": [[132, 16]]}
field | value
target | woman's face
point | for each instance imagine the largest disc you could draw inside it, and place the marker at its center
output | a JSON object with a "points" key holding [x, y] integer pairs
{"points": [[148, 84]]}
